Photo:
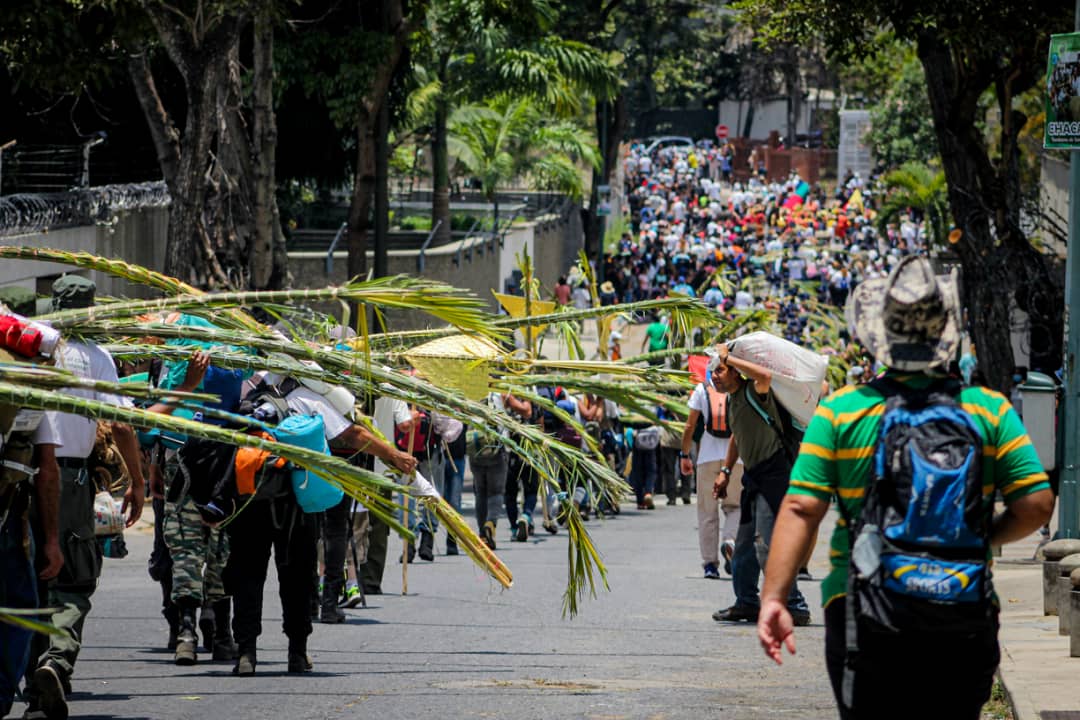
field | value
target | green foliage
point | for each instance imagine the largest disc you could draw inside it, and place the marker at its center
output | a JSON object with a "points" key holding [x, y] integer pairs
{"points": [[902, 127], [917, 187], [510, 137]]}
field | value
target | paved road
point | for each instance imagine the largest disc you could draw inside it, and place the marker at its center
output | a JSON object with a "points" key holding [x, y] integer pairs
{"points": [[458, 647]]}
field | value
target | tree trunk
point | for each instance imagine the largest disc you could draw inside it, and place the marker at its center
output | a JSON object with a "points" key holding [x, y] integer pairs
{"points": [[440, 164], [382, 191], [1000, 265], [263, 270], [362, 196], [162, 130]]}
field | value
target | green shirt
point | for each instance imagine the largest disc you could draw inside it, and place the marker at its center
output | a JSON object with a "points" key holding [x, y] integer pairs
{"points": [[837, 453], [658, 336], [756, 440]]}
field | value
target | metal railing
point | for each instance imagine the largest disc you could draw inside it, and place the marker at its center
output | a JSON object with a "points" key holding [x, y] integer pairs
{"points": [[38, 212], [420, 259], [333, 246]]}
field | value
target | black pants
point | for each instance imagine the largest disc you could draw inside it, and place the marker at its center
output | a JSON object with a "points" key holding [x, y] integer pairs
{"points": [[930, 676], [337, 523], [280, 525], [371, 572], [520, 475]]}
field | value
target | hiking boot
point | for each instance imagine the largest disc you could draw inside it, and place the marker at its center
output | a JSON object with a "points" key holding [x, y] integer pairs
{"points": [[329, 614], [727, 551], [225, 649], [299, 662], [187, 641], [487, 534], [245, 664], [208, 627], [49, 685], [799, 617], [522, 532], [711, 571], [451, 546], [736, 613], [427, 546]]}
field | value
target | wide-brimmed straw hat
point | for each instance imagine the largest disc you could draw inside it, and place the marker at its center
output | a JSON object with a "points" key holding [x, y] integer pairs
{"points": [[909, 320]]}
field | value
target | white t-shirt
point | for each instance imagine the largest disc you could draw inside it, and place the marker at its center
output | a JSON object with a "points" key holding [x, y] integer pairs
{"points": [[389, 413], [305, 401], [710, 447], [74, 434]]}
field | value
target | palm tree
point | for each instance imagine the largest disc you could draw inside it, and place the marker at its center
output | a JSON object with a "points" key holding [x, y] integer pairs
{"points": [[508, 137], [479, 49], [919, 187]]}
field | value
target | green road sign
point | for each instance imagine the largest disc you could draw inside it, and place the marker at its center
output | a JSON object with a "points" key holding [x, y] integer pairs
{"points": [[1063, 93]]}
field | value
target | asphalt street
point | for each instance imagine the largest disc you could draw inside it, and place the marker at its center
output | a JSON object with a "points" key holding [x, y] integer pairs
{"points": [[459, 647]]}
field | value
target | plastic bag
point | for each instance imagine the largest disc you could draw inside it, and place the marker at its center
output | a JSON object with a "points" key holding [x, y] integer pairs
{"points": [[797, 372], [107, 517]]}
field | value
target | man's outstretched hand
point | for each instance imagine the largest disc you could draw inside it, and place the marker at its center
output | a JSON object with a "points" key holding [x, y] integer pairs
{"points": [[775, 628]]}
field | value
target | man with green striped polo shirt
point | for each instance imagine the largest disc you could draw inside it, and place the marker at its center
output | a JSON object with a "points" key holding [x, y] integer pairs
{"points": [[910, 322]]}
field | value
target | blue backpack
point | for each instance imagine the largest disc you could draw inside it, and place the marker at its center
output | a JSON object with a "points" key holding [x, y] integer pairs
{"points": [[920, 546], [312, 492]]}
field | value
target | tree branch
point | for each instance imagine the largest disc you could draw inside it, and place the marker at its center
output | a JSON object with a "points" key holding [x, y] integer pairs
{"points": [[165, 136]]}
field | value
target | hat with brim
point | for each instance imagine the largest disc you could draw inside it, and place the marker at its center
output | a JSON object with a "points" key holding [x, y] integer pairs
{"points": [[910, 320], [607, 287]]}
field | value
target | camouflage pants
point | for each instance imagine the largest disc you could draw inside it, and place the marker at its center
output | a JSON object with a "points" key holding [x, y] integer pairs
{"points": [[198, 552]]}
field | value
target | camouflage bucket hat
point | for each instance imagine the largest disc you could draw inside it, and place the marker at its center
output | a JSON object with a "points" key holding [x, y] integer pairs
{"points": [[73, 291], [909, 320]]}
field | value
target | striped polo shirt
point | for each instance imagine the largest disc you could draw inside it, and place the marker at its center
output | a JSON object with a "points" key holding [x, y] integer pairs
{"points": [[837, 454]]}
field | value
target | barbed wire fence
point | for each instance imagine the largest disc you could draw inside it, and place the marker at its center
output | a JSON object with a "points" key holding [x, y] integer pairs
{"points": [[37, 212]]}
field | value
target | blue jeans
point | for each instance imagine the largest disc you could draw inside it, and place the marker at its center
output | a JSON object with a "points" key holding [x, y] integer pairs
{"points": [[421, 519], [18, 589], [454, 479], [752, 554]]}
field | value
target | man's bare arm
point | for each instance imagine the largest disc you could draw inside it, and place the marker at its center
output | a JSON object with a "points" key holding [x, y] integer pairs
{"points": [[1022, 517]]}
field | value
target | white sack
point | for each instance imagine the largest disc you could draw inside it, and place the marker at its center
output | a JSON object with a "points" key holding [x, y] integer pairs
{"points": [[797, 372]]}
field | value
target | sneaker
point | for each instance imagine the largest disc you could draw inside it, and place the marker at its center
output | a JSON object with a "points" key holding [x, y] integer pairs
{"points": [[727, 551], [799, 618], [522, 533], [353, 596], [50, 692], [487, 534], [711, 573], [805, 575], [649, 504], [551, 527], [427, 546], [245, 664], [736, 613], [299, 663]]}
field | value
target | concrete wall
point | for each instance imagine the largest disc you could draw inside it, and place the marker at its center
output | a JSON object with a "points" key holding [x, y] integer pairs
{"points": [[136, 236], [471, 264]]}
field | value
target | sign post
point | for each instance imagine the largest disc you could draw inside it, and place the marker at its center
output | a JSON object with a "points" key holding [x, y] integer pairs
{"points": [[1063, 131]]}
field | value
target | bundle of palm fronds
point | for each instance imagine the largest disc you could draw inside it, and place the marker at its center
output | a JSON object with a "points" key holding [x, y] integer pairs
{"points": [[372, 367]]}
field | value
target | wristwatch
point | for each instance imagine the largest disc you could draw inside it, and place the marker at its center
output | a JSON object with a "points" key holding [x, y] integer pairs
{"points": [[726, 470], [683, 454]]}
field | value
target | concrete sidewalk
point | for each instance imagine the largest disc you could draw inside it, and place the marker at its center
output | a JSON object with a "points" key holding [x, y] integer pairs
{"points": [[1036, 670]]}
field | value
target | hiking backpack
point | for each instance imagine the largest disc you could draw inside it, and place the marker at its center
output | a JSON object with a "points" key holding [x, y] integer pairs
{"points": [[421, 439], [920, 545], [715, 418]]}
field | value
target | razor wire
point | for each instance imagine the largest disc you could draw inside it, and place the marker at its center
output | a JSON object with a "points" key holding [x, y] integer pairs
{"points": [[39, 212]]}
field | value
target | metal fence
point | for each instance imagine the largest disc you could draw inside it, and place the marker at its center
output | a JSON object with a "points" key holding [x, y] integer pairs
{"points": [[37, 212]]}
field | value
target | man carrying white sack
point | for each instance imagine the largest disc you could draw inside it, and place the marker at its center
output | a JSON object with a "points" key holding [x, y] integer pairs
{"points": [[761, 439]]}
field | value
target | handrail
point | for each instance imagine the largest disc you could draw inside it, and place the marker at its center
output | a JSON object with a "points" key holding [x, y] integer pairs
{"points": [[333, 247], [420, 260]]}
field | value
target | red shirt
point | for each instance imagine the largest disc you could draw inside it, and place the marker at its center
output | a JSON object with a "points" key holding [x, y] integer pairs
{"points": [[562, 294]]}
